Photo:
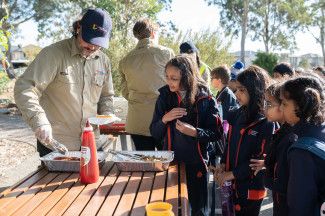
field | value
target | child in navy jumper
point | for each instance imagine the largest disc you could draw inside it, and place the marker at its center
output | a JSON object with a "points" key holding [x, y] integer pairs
{"points": [[220, 77], [248, 136], [186, 117], [303, 108], [276, 173]]}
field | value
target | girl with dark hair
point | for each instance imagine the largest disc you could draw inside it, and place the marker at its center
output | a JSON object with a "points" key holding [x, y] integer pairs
{"points": [[248, 136], [186, 117], [303, 108], [276, 173]]}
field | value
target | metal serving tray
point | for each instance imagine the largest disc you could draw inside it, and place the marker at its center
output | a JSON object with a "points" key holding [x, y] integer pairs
{"points": [[66, 166], [125, 163]]}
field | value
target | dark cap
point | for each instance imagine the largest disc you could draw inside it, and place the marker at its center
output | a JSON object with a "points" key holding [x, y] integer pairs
{"points": [[187, 47], [96, 27], [238, 65]]}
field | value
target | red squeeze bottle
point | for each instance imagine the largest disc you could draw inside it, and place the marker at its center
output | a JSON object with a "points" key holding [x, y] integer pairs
{"points": [[89, 170]]}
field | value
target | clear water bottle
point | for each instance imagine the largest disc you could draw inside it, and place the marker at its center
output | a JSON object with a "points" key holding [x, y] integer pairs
{"points": [[226, 193]]}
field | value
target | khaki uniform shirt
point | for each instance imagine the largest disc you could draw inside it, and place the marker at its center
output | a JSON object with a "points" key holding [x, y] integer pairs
{"points": [[143, 73], [63, 89]]}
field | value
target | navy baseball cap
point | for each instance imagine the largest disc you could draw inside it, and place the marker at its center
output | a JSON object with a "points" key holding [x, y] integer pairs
{"points": [[96, 27], [238, 65], [187, 47]]}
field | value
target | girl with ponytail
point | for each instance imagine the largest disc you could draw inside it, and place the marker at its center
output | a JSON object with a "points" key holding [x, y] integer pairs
{"points": [[303, 108]]}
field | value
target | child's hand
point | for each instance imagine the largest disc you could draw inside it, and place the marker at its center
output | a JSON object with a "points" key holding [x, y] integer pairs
{"points": [[257, 165], [219, 168], [221, 178], [175, 113], [186, 129]]}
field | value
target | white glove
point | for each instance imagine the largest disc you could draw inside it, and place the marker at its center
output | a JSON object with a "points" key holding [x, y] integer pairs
{"points": [[44, 133]]}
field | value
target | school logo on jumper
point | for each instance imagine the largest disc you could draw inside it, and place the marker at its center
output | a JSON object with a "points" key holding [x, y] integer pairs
{"points": [[252, 132]]}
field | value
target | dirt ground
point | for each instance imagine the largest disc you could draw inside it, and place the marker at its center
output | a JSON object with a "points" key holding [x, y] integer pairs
{"points": [[18, 156]]}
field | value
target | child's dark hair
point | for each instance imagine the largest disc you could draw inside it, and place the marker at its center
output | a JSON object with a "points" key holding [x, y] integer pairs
{"points": [[190, 78], [284, 68], [274, 91], [255, 80], [222, 73], [307, 93]]}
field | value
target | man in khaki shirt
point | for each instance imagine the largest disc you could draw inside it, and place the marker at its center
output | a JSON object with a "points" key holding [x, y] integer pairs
{"points": [[143, 73], [67, 83]]}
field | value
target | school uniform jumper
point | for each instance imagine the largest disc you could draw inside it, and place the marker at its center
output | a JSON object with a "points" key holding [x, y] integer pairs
{"points": [[306, 186], [228, 101], [190, 150], [276, 163], [247, 141]]}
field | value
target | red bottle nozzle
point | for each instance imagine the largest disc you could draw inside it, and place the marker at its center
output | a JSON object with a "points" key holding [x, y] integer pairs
{"points": [[88, 126]]}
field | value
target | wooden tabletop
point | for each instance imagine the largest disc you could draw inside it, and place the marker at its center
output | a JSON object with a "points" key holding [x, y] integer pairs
{"points": [[115, 193]]}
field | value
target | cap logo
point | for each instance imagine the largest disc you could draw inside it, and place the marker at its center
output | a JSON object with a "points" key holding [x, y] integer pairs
{"points": [[95, 27]]}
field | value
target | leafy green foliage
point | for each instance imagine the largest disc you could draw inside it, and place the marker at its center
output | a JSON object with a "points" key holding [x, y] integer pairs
{"points": [[304, 63], [266, 61], [316, 13], [213, 49], [276, 22], [4, 80]]}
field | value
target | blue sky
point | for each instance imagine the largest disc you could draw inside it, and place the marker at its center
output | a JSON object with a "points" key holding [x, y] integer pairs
{"points": [[188, 14]]}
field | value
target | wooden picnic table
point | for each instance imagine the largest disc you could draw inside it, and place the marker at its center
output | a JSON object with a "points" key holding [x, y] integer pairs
{"points": [[115, 193]]}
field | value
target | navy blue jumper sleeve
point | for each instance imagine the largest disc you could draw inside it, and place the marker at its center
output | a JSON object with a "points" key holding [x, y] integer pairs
{"points": [[212, 130]]}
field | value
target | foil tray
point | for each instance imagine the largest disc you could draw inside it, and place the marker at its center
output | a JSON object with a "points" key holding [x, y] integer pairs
{"points": [[125, 163], [67, 166]]}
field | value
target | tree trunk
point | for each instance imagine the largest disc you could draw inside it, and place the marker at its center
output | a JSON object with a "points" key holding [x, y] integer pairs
{"points": [[267, 31], [244, 31], [322, 34], [323, 51]]}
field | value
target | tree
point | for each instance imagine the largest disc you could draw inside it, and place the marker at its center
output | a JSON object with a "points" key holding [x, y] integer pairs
{"points": [[234, 15], [266, 61], [304, 63], [317, 15], [31, 51], [212, 48], [275, 22], [15, 12]]}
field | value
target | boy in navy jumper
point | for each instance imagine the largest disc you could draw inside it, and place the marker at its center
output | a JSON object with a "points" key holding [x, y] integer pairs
{"points": [[220, 78]]}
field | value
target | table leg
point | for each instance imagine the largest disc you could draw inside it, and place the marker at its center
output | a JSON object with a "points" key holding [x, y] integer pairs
{"points": [[123, 142]]}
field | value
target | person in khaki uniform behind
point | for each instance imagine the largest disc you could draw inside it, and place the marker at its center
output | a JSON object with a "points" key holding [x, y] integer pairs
{"points": [[67, 83], [143, 73]]}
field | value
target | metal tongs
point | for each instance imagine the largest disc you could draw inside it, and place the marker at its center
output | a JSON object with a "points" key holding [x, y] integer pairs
{"points": [[125, 154], [56, 146]]}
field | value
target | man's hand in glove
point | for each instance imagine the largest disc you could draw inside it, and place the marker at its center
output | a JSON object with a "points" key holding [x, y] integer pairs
{"points": [[44, 135]]}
